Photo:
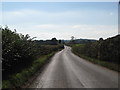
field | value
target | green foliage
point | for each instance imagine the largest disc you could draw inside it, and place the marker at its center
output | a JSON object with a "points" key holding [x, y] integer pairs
{"points": [[22, 57], [18, 79], [109, 65], [19, 51], [103, 50]]}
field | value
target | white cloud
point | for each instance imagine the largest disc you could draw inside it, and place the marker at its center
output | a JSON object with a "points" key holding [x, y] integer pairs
{"points": [[96, 31], [62, 25], [48, 31], [46, 26]]}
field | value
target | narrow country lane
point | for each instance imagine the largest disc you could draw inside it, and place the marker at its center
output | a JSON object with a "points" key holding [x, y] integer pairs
{"points": [[67, 70]]}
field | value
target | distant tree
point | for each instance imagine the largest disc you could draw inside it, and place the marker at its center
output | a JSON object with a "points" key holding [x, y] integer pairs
{"points": [[72, 39], [100, 39], [59, 41], [54, 41]]}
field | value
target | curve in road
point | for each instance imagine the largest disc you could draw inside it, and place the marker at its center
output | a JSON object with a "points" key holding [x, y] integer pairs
{"points": [[67, 70]]}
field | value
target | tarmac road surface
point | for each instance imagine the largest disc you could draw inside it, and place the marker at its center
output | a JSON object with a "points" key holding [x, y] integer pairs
{"points": [[66, 70]]}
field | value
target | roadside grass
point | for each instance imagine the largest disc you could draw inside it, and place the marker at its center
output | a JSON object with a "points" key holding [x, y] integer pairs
{"points": [[18, 79], [109, 65]]}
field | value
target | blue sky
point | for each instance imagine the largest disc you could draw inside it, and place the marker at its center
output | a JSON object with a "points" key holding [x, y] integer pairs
{"points": [[62, 20]]}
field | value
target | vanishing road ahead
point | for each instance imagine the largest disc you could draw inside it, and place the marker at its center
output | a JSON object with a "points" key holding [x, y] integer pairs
{"points": [[67, 70]]}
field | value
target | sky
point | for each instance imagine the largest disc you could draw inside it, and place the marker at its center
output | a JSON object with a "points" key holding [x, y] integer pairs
{"points": [[45, 20]]}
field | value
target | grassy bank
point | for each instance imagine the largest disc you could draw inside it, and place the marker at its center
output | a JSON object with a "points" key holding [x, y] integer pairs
{"points": [[18, 79], [80, 50], [109, 65]]}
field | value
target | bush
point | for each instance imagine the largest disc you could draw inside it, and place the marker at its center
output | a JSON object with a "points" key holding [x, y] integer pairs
{"points": [[19, 51], [102, 52], [105, 50]]}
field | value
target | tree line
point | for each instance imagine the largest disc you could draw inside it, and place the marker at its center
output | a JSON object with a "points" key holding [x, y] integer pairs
{"points": [[19, 51], [105, 50]]}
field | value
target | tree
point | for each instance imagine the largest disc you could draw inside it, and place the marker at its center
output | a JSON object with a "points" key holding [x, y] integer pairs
{"points": [[100, 39], [54, 41], [59, 41], [72, 39]]}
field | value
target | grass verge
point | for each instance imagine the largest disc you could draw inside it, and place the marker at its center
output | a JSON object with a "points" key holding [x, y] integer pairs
{"points": [[18, 79], [109, 65]]}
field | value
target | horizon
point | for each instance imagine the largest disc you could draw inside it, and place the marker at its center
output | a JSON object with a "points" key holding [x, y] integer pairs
{"points": [[88, 20]]}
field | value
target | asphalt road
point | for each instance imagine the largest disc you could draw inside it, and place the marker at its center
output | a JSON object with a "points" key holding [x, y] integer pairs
{"points": [[67, 70]]}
